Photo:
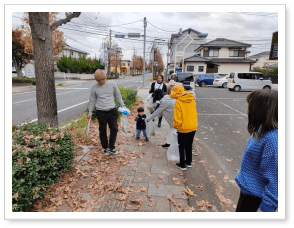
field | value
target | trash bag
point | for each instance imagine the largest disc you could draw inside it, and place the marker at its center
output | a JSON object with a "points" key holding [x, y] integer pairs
{"points": [[124, 123], [150, 128], [169, 137], [173, 153], [149, 100]]}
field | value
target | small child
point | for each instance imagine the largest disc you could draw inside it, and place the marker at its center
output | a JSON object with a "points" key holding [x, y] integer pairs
{"points": [[141, 125]]}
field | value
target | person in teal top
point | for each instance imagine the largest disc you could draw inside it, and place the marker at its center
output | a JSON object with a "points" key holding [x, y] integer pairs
{"points": [[258, 176]]}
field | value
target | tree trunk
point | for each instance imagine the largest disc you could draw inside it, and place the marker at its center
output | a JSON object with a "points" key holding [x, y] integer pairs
{"points": [[44, 68]]}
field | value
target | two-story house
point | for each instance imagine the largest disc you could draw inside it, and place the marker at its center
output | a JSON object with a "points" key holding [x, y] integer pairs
{"points": [[262, 60], [220, 56], [69, 51], [179, 41], [124, 68]]}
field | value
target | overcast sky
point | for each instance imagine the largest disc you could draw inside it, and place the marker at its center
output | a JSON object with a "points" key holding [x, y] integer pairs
{"points": [[90, 30]]}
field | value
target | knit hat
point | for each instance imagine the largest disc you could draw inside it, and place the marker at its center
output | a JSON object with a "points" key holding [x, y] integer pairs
{"points": [[172, 82], [177, 91]]}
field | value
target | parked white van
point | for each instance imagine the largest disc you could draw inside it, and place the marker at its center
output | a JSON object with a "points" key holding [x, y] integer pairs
{"points": [[248, 81]]}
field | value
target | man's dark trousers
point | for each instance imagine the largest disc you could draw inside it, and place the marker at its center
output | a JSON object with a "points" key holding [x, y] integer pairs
{"points": [[107, 117]]}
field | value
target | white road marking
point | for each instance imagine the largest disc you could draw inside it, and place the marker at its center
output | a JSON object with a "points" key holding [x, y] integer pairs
{"points": [[35, 98], [232, 108], [72, 88], [34, 120], [23, 93], [222, 98], [204, 114]]}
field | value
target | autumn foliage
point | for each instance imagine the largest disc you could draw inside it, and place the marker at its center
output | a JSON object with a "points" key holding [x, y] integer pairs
{"points": [[19, 53], [58, 42]]}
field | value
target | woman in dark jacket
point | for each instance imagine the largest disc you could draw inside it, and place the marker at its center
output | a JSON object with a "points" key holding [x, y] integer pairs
{"points": [[158, 85]]}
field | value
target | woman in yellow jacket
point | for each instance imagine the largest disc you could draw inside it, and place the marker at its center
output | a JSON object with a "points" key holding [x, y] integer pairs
{"points": [[185, 121]]}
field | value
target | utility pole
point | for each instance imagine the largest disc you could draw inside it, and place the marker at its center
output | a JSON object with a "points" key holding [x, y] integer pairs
{"points": [[134, 61], [145, 25], [108, 67], [153, 53], [167, 59]]}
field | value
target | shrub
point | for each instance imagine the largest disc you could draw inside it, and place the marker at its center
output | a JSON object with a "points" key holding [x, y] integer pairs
{"points": [[60, 84], [63, 64], [39, 155], [22, 80], [275, 71], [171, 71]]}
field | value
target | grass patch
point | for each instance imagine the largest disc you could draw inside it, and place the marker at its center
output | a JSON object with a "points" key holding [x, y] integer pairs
{"points": [[60, 84]]}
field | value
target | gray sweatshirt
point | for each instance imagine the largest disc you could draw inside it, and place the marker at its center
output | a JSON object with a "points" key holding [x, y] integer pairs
{"points": [[102, 97]]}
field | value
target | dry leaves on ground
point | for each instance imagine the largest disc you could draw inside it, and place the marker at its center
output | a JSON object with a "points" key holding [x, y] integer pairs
{"points": [[189, 192], [205, 205]]}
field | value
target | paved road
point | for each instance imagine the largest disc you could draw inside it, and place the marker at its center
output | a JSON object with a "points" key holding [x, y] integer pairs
{"points": [[72, 100], [222, 137]]}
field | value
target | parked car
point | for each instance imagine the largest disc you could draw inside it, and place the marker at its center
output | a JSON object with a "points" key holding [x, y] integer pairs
{"points": [[172, 76], [14, 74], [248, 81], [206, 79], [181, 77], [221, 81]]}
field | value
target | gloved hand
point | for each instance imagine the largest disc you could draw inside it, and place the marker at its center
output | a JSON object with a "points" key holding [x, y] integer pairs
{"points": [[259, 210], [174, 131]]}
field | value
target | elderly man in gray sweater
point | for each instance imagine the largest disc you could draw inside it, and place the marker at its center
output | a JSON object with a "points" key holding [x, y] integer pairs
{"points": [[166, 108], [102, 97]]}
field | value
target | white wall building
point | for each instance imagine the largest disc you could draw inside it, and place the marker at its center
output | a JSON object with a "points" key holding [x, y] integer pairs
{"points": [[184, 36], [220, 56], [262, 60]]}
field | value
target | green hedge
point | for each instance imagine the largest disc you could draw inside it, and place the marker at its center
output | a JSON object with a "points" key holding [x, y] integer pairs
{"points": [[39, 155], [81, 65], [23, 80]]}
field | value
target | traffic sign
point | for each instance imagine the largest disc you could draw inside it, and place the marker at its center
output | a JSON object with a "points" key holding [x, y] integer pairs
{"points": [[134, 35], [119, 36]]}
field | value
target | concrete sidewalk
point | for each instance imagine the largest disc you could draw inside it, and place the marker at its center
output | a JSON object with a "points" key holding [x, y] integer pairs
{"points": [[151, 183]]}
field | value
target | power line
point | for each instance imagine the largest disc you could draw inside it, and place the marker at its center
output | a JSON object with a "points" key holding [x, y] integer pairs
{"points": [[159, 28]]}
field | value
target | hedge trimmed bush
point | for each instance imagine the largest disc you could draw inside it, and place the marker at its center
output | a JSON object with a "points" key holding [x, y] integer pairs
{"points": [[23, 80], [81, 65], [39, 155]]}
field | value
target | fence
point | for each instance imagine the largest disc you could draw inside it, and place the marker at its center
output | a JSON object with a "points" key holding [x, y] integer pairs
{"points": [[73, 76], [274, 78]]}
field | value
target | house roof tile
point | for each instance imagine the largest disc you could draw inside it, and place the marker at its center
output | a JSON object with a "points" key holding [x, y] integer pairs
{"points": [[222, 42], [259, 54], [196, 58], [232, 60], [74, 49]]}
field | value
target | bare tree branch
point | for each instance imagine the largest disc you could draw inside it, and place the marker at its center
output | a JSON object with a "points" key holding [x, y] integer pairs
{"points": [[64, 21]]}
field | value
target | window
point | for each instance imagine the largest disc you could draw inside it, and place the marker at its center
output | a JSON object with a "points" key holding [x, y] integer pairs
{"points": [[216, 69], [213, 53], [123, 64], [237, 53], [205, 53], [72, 53], [234, 53], [247, 76], [200, 68], [190, 68]]}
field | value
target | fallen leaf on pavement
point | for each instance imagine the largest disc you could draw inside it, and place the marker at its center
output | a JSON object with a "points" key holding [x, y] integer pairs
{"points": [[175, 179], [143, 189], [189, 192], [229, 160], [157, 184], [160, 177]]}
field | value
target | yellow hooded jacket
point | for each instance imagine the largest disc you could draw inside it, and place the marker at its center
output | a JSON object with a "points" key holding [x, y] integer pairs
{"points": [[185, 114]]}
